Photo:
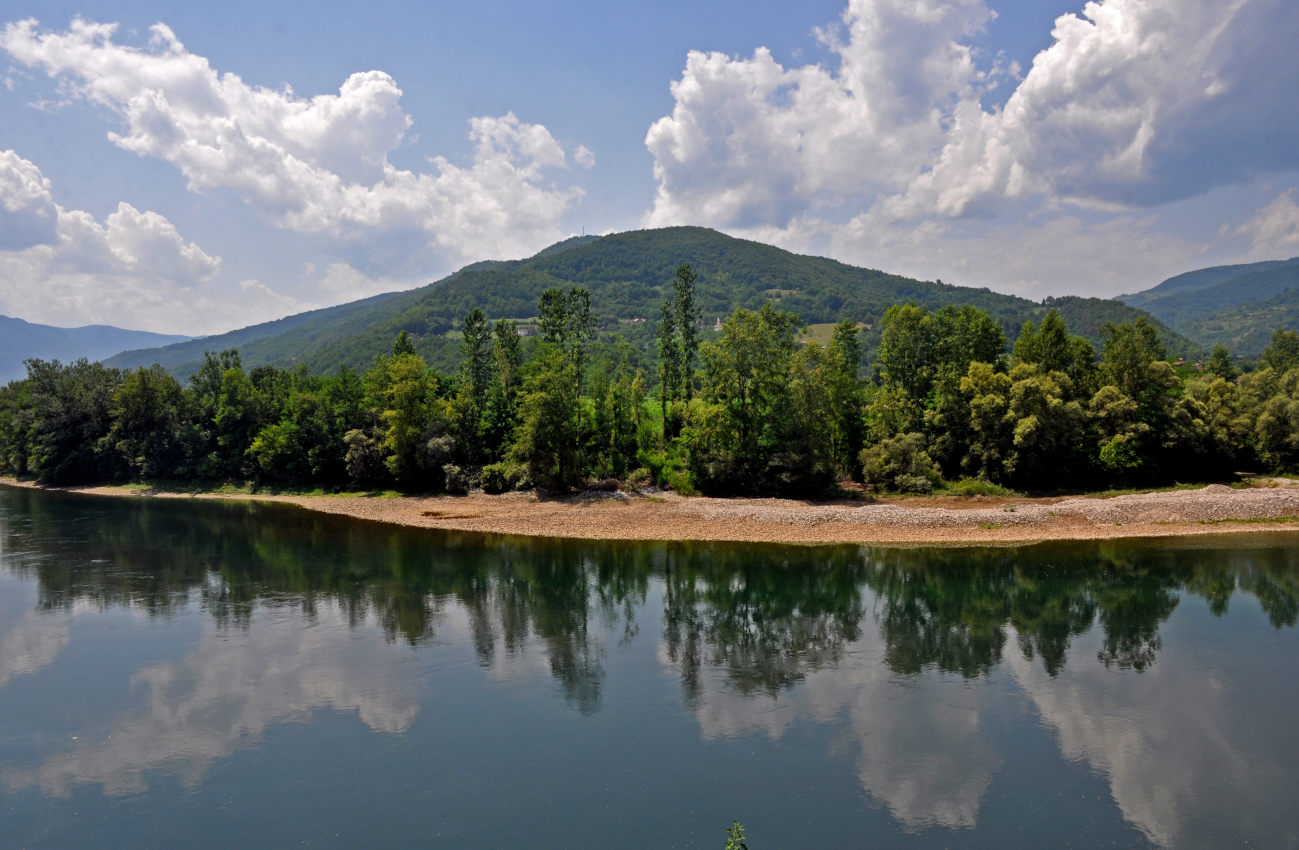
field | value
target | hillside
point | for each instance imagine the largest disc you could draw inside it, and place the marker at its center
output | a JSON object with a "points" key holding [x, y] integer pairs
{"points": [[1247, 329], [626, 274], [1194, 280], [20, 340], [1238, 306], [1182, 308]]}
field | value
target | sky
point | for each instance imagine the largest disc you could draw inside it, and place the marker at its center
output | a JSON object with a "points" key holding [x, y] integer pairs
{"points": [[194, 168]]}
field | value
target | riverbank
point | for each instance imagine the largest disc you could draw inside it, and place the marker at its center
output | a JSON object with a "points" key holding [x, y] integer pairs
{"points": [[1214, 509]]}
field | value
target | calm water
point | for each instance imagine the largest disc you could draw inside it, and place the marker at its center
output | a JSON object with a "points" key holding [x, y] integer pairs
{"points": [[177, 674]]}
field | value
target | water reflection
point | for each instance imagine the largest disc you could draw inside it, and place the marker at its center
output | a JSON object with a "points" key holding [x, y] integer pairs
{"points": [[915, 658], [225, 693]]}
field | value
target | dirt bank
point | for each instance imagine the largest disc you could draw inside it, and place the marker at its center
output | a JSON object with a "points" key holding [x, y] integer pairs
{"points": [[1214, 509]]}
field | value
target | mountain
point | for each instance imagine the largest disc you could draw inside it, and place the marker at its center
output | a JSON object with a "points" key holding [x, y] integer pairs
{"points": [[20, 340], [1198, 279], [626, 274], [1238, 306]]}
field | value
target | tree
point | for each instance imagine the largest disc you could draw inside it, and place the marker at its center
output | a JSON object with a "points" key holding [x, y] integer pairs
{"points": [[476, 368], [678, 345], [1052, 349], [403, 344], [1219, 363], [566, 323], [547, 434], [69, 417], [146, 419], [746, 380], [501, 406], [403, 391], [846, 423], [1282, 353]]}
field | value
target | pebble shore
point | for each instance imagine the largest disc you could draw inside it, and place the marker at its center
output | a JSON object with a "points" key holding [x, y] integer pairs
{"points": [[1215, 509]]}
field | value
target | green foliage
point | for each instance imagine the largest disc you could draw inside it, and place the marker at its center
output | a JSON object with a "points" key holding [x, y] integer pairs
{"points": [[900, 465], [771, 415], [735, 837], [1219, 363], [1282, 353], [967, 486]]}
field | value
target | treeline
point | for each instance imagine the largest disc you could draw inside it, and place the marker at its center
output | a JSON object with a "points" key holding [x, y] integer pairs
{"points": [[751, 411]]}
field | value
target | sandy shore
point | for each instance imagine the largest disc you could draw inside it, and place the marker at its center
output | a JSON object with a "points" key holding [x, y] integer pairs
{"points": [[1214, 509]]}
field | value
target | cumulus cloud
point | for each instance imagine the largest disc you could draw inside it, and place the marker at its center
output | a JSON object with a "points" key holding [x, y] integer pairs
{"points": [[1134, 732], [314, 165], [28, 215], [751, 142], [133, 268], [1135, 104], [229, 690]]}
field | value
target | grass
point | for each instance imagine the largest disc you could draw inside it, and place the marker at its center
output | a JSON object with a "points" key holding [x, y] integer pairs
{"points": [[991, 525], [1136, 491]]}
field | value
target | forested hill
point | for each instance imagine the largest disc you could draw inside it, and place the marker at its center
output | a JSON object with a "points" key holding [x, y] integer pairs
{"points": [[626, 274], [1238, 306], [20, 340], [1197, 279]]}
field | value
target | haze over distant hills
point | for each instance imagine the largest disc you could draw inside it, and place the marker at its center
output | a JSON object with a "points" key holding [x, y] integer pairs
{"points": [[1238, 306], [626, 274], [20, 340]]}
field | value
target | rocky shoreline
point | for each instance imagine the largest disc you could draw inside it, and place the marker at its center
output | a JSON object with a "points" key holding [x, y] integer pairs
{"points": [[979, 520]]}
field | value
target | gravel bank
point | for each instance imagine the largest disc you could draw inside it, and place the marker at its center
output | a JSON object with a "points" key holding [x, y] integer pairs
{"points": [[1214, 509]]}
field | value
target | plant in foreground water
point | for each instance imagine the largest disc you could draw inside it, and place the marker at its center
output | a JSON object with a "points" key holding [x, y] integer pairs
{"points": [[735, 837]]}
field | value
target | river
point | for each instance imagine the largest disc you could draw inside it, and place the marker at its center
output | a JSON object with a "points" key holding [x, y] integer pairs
{"points": [[185, 673]]}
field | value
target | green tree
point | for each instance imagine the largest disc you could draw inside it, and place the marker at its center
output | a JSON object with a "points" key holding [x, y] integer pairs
{"points": [[68, 421], [403, 344], [501, 406], [1282, 353], [547, 433], [405, 395], [845, 423], [1219, 363], [746, 380], [146, 419]]}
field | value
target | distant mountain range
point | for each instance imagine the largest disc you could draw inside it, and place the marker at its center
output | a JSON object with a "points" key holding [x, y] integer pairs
{"points": [[1238, 306], [20, 340], [626, 274]]}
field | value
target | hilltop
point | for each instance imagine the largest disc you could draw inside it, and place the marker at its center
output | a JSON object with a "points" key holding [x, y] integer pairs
{"points": [[626, 274], [1239, 306]]}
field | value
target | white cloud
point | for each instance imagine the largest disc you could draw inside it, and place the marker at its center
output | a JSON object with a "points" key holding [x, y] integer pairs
{"points": [[230, 690], [1135, 732], [315, 165], [1274, 230], [65, 267], [922, 749], [28, 215], [1135, 104]]}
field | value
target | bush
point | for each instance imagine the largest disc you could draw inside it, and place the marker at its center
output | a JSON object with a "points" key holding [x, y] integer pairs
{"points": [[457, 480], [976, 487], [493, 478], [900, 464]]}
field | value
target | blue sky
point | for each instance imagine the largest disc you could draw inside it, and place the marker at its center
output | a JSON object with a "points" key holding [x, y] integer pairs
{"points": [[197, 168]]}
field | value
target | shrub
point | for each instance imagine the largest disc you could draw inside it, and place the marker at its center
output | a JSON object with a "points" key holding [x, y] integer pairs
{"points": [[493, 478], [976, 487], [457, 480], [900, 464]]}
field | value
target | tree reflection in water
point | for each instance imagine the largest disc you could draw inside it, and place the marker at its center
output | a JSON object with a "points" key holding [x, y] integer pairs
{"points": [[766, 615]]}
